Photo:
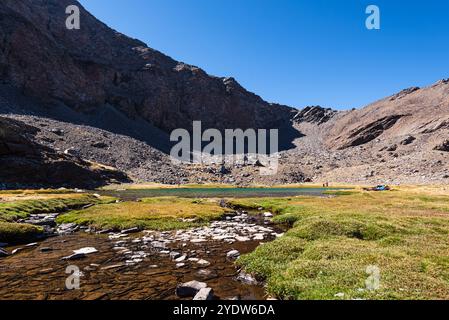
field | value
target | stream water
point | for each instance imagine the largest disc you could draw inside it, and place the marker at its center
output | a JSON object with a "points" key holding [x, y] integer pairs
{"points": [[146, 265]]}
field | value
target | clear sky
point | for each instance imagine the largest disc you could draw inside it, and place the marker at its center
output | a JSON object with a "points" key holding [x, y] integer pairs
{"points": [[296, 52]]}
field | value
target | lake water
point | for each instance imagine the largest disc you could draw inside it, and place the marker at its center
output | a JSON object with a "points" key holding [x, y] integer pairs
{"points": [[133, 194]]}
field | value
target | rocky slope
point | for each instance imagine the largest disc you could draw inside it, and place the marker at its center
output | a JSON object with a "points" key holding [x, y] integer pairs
{"points": [[25, 163], [400, 139]]}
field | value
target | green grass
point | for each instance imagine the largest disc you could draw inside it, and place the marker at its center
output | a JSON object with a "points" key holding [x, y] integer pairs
{"points": [[333, 240], [16, 233], [165, 213], [19, 209]]}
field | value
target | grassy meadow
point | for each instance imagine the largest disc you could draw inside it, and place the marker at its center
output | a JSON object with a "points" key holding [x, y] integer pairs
{"points": [[332, 241]]}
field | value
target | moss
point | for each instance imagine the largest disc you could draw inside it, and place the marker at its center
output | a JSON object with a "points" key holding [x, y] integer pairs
{"points": [[165, 213], [16, 233], [19, 209]]}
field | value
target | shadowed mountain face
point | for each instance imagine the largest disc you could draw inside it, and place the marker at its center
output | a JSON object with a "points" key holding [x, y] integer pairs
{"points": [[27, 163], [115, 101], [96, 66]]}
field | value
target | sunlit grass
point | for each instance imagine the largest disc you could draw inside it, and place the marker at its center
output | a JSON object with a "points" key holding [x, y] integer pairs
{"points": [[165, 213], [333, 240]]}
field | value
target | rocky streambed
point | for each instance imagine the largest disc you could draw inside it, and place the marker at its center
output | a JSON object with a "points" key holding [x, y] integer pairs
{"points": [[135, 264]]}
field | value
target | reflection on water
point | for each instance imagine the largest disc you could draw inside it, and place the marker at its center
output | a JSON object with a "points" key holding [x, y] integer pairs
{"points": [[130, 195]]}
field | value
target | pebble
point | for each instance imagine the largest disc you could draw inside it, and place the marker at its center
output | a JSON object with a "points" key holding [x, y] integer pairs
{"points": [[180, 265]]}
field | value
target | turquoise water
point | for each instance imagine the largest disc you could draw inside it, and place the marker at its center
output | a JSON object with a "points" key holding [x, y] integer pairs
{"points": [[216, 192]]}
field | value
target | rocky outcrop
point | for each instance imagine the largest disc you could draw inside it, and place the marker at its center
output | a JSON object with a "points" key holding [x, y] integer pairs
{"points": [[371, 131], [25, 163], [444, 146], [315, 114]]}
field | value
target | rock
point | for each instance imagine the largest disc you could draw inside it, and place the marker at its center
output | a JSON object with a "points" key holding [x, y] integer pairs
{"points": [[75, 256], [87, 250], [189, 289], [131, 230], [180, 265], [258, 236], [242, 239], [181, 258], [174, 255], [246, 278], [57, 131], [233, 254], [46, 249], [268, 215], [16, 250], [203, 263], [3, 253], [391, 148], [408, 140], [204, 294], [205, 274], [34, 244], [114, 266]]}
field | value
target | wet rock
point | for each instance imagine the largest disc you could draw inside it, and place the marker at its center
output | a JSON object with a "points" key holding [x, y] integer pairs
{"points": [[189, 289], [203, 263], [131, 230], [181, 258], [204, 294], [67, 228], [114, 266], [87, 250], [75, 256], [205, 274], [16, 250], [246, 278], [258, 236], [174, 255], [233, 254], [3, 253], [34, 244]]}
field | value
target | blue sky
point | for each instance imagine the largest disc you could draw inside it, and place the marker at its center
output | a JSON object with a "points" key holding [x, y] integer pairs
{"points": [[295, 52]]}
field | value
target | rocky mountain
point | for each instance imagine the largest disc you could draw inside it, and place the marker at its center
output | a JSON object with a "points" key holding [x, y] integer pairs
{"points": [[77, 98], [399, 139], [95, 66]]}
